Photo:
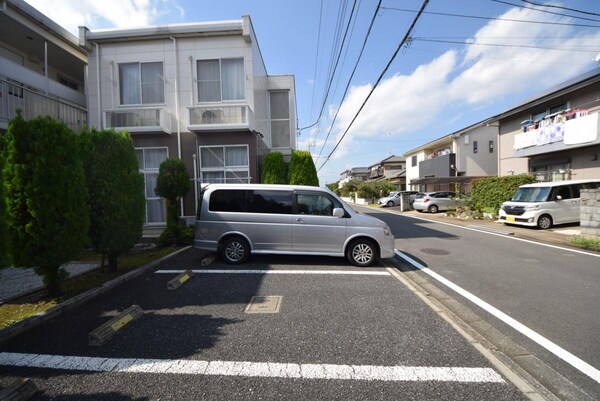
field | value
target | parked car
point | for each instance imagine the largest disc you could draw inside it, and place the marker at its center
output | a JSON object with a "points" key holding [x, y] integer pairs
{"points": [[545, 204], [236, 220], [434, 201], [394, 198]]}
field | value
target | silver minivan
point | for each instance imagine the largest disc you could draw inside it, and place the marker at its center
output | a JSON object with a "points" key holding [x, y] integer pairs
{"points": [[236, 220], [545, 204]]}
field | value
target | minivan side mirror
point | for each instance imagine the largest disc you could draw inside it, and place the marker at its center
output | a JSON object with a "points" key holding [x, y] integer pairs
{"points": [[338, 212]]}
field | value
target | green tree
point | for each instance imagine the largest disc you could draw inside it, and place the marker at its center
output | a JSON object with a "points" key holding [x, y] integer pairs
{"points": [[489, 193], [334, 187], [173, 183], [302, 169], [3, 228], [274, 169], [116, 192], [46, 197], [350, 187]]}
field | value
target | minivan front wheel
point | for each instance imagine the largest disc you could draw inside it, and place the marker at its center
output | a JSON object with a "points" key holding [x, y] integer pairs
{"points": [[544, 222], [234, 250], [361, 253], [390, 204]]}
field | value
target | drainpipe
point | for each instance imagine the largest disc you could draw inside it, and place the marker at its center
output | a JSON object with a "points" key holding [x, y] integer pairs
{"points": [[112, 84], [191, 59], [46, 66], [195, 179], [177, 111], [100, 122]]}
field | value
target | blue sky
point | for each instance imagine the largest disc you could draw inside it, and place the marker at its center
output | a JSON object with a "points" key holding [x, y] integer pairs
{"points": [[432, 88]]}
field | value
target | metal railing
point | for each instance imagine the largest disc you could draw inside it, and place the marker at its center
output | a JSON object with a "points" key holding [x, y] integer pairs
{"points": [[15, 96], [219, 115], [137, 120]]}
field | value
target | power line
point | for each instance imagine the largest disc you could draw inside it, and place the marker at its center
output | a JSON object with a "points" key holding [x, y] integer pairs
{"points": [[544, 11], [334, 68], [316, 59], [351, 76], [404, 39], [560, 7], [504, 45], [491, 18]]}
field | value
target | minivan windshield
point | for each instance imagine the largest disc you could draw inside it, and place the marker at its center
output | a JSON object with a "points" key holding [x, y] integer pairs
{"points": [[531, 194]]}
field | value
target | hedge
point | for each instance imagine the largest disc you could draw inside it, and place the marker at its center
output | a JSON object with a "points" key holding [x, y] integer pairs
{"points": [[489, 193]]}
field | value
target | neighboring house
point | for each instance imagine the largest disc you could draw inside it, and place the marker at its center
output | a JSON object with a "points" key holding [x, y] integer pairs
{"points": [[556, 134], [197, 91], [392, 168], [42, 68], [457, 158], [355, 173]]}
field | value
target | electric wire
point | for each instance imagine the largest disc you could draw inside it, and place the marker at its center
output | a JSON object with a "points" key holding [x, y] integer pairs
{"points": [[560, 7], [362, 49], [544, 11], [505, 45], [334, 69], [316, 59], [381, 75], [492, 18]]}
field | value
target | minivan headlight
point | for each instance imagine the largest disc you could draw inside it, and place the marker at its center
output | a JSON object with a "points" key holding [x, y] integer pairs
{"points": [[532, 207], [387, 231]]}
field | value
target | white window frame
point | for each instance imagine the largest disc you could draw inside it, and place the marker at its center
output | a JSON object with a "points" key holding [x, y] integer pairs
{"points": [[220, 59], [139, 63], [224, 169], [288, 119], [144, 170]]}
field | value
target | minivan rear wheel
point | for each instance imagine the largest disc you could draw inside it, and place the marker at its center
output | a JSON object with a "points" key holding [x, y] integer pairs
{"points": [[433, 209], [234, 250], [361, 253], [544, 222]]}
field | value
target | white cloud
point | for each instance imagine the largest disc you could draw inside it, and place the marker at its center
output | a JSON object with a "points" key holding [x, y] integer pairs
{"points": [[479, 75], [104, 14]]}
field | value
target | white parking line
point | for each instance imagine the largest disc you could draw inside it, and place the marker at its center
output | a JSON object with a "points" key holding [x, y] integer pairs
{"points": [[322, 272], [560, 352], [254, 369]]}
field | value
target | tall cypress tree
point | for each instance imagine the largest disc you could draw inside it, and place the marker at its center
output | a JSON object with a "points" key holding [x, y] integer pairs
{"points": [[116, 192], [3, 227], [274, 169], [302, 169], [46, 197]]}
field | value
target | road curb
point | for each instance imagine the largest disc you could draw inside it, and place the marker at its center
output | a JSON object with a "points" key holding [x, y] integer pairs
{"points": [[72, 303]]}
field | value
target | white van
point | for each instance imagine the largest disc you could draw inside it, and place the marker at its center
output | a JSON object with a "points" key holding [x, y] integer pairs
{"points": [[545, 204], [236, 220]]}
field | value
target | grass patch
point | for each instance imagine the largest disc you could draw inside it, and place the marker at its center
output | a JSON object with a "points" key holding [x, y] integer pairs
{"points": [[21, 309], [585, 243]]}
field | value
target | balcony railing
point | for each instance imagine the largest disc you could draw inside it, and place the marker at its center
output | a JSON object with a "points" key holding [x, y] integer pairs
{"points": [[15, 95], [138, 120], [440, 166], [219, 117]]}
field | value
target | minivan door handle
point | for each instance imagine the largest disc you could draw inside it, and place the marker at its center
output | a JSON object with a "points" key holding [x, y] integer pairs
{"points": [[300, 220]]}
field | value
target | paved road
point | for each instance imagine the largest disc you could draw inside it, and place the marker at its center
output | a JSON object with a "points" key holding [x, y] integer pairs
{"points": [[552, 291], [340, 333]]}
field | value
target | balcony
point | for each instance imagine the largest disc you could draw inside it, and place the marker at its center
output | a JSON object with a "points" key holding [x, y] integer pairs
{"points": [[440, 166], [16, 95], [219, 118], [138, 120]]}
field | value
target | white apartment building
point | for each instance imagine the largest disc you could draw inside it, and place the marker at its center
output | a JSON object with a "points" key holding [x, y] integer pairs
{"points": [[199, 92]]}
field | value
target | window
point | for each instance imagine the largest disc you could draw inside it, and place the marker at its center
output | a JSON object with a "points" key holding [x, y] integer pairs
{"points": [[68, 83], [475, 147], [141, 83], [316, 205], [413, 161], [280, 118], [491, 146], [149, 160], [221, 80], [224, 164], [549, 111], [246, 201]]}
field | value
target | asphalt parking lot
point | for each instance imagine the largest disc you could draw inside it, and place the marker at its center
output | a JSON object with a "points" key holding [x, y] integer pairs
{"points": [[340, 332]]}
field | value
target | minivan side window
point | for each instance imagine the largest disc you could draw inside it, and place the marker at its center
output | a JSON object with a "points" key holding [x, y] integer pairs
{"points": [[563, 191], [273, 202], [246, 201], [315, 204], [228, 200]]}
